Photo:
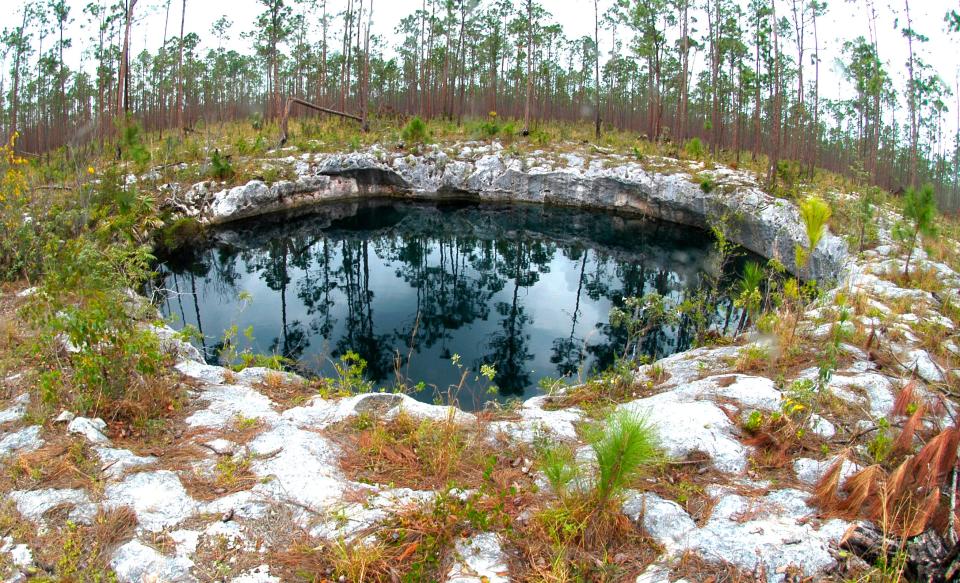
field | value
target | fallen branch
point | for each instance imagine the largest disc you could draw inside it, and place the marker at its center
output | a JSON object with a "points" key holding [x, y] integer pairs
{"points": [[295, 101], [926, 557]]}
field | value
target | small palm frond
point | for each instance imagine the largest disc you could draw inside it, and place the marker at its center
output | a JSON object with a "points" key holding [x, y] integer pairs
{"points": [[904, 441], [936, 458], [905, 398], [815, 214]]}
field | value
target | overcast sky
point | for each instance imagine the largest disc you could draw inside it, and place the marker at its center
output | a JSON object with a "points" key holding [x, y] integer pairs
{"points": [[846, 19]]}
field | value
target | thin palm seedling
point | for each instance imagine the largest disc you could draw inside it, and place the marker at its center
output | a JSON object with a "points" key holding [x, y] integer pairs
{"points": [[749, 299], [815, 214], [639, 316]]}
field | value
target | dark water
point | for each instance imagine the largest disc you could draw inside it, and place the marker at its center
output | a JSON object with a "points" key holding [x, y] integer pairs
{"points": [[527, 289]]}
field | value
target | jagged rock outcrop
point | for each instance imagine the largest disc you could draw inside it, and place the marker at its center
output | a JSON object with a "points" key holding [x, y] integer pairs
{"points": [[664, 189]]}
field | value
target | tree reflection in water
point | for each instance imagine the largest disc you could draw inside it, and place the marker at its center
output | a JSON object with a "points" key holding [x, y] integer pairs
{"points": [[527, 289]]}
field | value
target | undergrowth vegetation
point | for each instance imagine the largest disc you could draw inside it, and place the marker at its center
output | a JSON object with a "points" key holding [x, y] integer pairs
{"points": [[581, 533], [80, 234]]}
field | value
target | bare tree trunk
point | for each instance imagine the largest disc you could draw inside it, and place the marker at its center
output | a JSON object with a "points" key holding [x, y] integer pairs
{"points": [[596, 62], [366, 70], [345, 68], [914, 132], [123, 77], [799, 28], [322, 85], [815, 134], [756, 96], [15, 103], [775, 146], [684, 76], [180, 100], [526, 106]]}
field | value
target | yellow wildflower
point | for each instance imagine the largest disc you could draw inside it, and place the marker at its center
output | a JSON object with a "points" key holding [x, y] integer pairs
{"points": [[90, 170]]}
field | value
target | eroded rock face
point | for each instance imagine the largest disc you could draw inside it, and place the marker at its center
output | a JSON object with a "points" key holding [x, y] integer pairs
{"points": [[758, 221]]}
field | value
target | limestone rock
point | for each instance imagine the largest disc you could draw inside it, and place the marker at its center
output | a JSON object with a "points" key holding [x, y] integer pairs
{"points": [[809, 471], [65, 417], [748, 532], [260, 574], [115, 462], [766, 225], [17, 409], [135, 562], [158, 498], [21, 441], [664, 520], [91, 429], [32, 504], [479, 559]]}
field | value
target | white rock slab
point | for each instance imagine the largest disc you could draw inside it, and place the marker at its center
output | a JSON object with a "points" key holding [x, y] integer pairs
{"points": [[91, 429], [135, 562], [21, 441], [158, 499], [479, 559]]}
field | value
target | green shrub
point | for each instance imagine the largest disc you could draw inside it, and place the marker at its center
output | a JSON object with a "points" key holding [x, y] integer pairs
{"points": [[559, 466], [788, 173], [83, 304], [707, 183], [490, 128], [131, 143], [753, 422], [220, 166], [695, 149], [180, 232], [415, 132]]}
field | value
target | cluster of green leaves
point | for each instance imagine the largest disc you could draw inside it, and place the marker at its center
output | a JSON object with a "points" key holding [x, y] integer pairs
{"points": [[695, 149], [95, 354], [815, 214], [624, 443], [350, 368], [700, 307], [85, 249], [232, 356], [639, 316]]}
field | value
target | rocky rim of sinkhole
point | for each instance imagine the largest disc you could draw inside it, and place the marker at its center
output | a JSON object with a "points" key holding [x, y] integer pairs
{"points": [[757, 523]]}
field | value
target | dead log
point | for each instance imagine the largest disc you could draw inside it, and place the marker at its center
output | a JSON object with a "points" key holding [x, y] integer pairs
{"points": [[295, 101], [927, 557]]}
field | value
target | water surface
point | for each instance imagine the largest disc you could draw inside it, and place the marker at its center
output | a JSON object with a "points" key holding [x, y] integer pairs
{"points": [[409, 286]]}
